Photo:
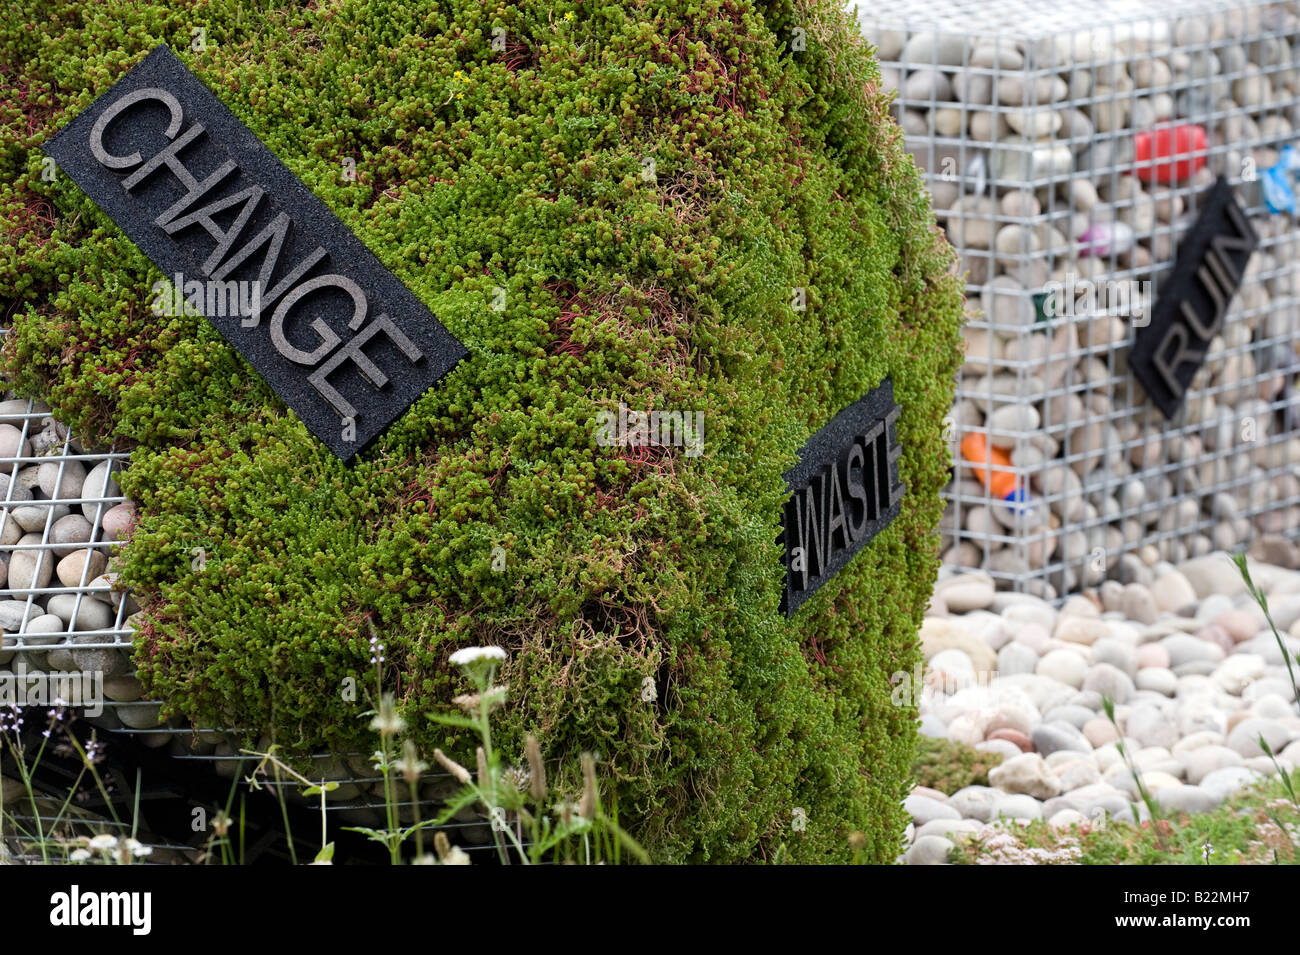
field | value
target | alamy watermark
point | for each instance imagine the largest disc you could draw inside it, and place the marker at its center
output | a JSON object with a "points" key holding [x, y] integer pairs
{"points": [[127, 909], [925, 688], [1083, 297], [664, 429], [84, 689], [212, 299]]}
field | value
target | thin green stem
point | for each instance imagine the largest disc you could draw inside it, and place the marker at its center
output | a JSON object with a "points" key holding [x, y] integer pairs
{"points": [[415, 816], [390, 809], [284, 813], [1258, 596]]}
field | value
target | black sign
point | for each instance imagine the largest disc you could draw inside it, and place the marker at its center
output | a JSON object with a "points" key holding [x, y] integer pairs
{"points": [[1211, 261], [844, 490], [344, 343]]}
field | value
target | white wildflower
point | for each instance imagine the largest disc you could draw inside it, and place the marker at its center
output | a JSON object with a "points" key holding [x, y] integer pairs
{"points": [[388, 722], [471, 655], [457, 856]]}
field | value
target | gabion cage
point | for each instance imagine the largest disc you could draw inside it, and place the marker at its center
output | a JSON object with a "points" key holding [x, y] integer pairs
{"points": [[1069, 147], [61, 511], [68, 628]]}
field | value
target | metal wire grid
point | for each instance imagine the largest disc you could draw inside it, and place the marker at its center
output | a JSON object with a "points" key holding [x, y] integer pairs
{"points": [[63, 647], [360, 799], [58, 821], [62, 821], [1020, 169], [47, 455], [888, 23]]}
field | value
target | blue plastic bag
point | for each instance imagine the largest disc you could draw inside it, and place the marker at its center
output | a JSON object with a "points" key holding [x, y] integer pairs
{"points": [[1279, 193]]}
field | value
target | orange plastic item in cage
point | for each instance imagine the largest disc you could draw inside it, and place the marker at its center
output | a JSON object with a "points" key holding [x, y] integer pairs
{"points": [[975, 449]]}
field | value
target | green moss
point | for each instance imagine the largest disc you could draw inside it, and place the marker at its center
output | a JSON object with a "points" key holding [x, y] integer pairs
{"points": [[775, 169], [948, 766]]}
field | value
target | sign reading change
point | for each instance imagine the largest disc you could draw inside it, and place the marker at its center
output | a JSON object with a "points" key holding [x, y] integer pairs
{"points": [[344, 343], [843, 492]]}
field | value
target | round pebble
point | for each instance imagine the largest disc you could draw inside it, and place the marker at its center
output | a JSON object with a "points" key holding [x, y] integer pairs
{"points": [[99, 484]]}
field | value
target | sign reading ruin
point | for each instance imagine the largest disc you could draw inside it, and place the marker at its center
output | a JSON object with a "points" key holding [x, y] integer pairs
{"points": [[843, 492], [337, 336], [1207, 272]]}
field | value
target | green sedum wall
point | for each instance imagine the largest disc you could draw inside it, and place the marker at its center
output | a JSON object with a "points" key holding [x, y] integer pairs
{"points": [[522, 169]]}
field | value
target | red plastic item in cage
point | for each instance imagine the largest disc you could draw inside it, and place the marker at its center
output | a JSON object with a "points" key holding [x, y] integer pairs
{"points": [[1170, 153]]}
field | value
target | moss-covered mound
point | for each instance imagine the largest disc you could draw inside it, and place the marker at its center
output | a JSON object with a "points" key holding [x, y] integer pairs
{"points": [[775, 168]]}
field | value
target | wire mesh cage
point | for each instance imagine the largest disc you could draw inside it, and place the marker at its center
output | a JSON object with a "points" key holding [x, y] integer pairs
{"points": [[1070, 148], [62, 511], [65, 659]]}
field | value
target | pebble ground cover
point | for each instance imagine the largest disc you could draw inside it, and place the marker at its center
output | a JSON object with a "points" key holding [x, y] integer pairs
{"points": [[1197, 679]]}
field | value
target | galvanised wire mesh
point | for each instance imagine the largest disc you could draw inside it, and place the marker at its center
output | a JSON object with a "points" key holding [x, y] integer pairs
{"points": [[1069, 147], [67, 637], [61, 512]]}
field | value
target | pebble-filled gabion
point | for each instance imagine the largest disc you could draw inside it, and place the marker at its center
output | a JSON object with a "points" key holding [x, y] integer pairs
{"points": [[61, 513], [1068, 147]]}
